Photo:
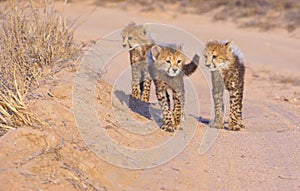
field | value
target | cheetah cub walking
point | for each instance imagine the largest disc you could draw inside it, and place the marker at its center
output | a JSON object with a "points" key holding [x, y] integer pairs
{"points": [[137, 39], [167, 69], [227, 68]]}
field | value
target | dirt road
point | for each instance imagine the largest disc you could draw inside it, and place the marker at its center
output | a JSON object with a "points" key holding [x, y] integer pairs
{"points": [[264, 156]]}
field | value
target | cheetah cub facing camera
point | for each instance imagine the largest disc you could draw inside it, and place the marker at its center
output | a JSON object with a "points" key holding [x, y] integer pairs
{"points": [[227, 68], [167, 68], [137, 39]]}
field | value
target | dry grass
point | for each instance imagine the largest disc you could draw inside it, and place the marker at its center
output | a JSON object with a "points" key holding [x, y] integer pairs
{"points": [[35, 42], [263, 14]]}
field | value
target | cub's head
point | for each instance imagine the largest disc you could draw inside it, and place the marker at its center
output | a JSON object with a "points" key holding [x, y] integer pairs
{"points": [[167, 59], [134, 35], [218, 54]]}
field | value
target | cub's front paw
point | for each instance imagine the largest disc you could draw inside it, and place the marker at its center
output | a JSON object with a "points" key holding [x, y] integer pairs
{"points": [[217, 125], [168, 127], [235, 127], [178, 126]]}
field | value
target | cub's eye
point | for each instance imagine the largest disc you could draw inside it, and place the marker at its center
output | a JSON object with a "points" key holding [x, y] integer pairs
{"points": [[168, 61], [129, 38], [205, 56], [179, 61], [214, 57]]}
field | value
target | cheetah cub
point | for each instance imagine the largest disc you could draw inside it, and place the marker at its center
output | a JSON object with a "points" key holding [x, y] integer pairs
{"points": [[137, 39], [226, 64], [167, 69]]}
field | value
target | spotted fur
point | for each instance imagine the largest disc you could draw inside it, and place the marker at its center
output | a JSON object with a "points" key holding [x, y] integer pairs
{"points": [[226, 64], [137, 38], [167, 69]]}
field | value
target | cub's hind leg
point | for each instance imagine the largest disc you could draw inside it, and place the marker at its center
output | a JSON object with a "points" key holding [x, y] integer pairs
{"points": [[217, 91], [236, 101]]}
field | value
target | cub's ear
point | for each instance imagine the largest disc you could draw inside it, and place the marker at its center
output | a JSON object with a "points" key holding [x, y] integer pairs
{"points": [[229, 46], [131, 23], [145, 29], [180, 46], [209, 41], [155, 50]]}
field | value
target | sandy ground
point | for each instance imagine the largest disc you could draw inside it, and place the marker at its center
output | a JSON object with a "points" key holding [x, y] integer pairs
{"points": [[264, 156]]}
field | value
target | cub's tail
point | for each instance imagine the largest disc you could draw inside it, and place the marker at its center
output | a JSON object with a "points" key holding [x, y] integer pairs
{"points": [[190, 68]]}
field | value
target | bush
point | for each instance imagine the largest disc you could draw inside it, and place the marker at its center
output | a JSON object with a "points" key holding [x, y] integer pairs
{"points": [[35, 42]]}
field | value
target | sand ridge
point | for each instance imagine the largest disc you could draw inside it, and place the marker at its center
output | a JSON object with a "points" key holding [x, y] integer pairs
{"points": [[264, 156]]}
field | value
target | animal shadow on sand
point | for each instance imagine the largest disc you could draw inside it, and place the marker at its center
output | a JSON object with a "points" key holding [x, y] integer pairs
{"points": [[138, 106], [144, 109], [135, 105]]}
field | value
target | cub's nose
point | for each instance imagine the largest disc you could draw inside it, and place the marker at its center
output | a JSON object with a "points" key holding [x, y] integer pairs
{"points": [[124, 45], [175, 69]]}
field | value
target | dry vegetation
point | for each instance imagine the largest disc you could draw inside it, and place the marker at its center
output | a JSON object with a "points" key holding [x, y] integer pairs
{"points": [[35, 42], [264, 14]]}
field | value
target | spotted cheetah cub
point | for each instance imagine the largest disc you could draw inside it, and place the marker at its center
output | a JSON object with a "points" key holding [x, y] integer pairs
{"points": [[167, 69], [137, 39], [226, 64]]}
